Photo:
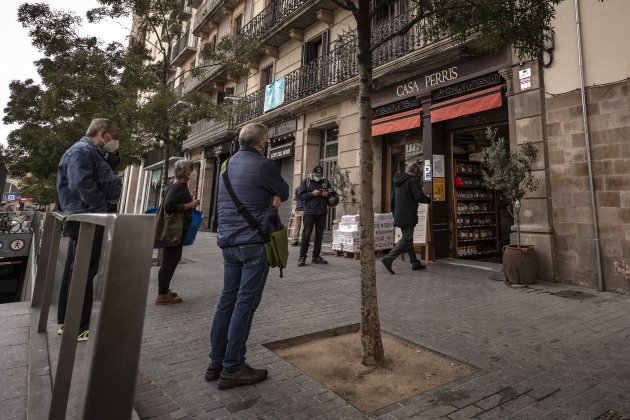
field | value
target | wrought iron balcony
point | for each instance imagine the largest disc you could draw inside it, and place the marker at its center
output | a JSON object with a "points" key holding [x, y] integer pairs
{"points": [[337, 66], [271, 16], [207, 74], [208, 12], [184, 49], [206, 132]]}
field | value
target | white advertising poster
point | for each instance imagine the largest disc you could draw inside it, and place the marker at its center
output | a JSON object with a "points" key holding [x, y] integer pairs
{"points": [[438, 166]]}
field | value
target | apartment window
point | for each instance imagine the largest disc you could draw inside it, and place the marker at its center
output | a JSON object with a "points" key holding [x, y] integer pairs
{"points": [[266, 75], [389, 11], [226, 92], [238, 24], [313, 49]]}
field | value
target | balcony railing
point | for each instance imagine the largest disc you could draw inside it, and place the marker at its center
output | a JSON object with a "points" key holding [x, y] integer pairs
{"points": [[184, 49], [337, 66], [204, 132], [269, 18], [204, 12], [207, 73]]}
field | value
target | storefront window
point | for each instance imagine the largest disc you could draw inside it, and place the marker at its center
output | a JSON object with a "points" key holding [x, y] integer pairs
{"points": [[155, 188], [328, 152]]}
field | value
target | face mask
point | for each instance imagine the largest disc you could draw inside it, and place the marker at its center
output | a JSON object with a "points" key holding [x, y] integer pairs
{"points": [[317, 178], [111, 146]]}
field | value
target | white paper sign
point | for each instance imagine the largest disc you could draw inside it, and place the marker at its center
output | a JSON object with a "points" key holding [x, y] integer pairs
{"points": [[438, 166], [420, 232]]}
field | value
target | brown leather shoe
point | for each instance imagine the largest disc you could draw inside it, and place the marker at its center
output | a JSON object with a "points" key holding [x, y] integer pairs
{"points": [[167, 299], [246, 376]]}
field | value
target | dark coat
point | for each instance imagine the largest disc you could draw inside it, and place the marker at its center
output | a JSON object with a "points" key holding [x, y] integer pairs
{"points": [[177, 196], [255, 180], [314, 204], [405, 198]]}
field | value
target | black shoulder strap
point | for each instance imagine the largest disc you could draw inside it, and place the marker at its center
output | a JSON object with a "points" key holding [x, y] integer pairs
{"points": [[239, 206]]}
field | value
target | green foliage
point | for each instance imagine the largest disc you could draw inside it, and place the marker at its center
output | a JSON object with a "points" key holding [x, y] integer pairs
{"points": [[509, 173], [521, 23], [344, 187], [41, 190]]}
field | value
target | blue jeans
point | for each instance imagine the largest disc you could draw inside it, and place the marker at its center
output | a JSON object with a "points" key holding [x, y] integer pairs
{"points": [[245, 270]]}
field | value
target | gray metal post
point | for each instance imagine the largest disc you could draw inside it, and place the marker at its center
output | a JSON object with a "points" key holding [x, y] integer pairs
{"points": [[67, 351], [111, 363], [42, 262], [49, 277]]}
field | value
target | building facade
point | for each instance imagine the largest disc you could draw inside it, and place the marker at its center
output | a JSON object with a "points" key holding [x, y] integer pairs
{"points": [[432, 103]]}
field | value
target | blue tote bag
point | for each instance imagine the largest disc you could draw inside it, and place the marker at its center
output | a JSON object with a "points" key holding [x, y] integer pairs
{"points": [[191, 234]]}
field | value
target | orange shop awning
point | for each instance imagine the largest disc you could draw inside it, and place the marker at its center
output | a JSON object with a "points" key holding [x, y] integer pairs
{"points": [[398, 122], [468, 104]]}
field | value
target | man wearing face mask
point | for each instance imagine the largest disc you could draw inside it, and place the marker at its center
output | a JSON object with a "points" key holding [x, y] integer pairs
{"points": [[87, 183], [314, 192], [257, 184]]}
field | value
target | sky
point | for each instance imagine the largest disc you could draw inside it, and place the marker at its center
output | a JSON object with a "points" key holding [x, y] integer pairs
{"points": [[22, 54]]}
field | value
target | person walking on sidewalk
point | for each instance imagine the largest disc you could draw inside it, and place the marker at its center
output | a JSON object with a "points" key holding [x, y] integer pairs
{"points": [[258, 185], [87, 183], [404, 204], [314, 192], [177, 200], [296, 221]]}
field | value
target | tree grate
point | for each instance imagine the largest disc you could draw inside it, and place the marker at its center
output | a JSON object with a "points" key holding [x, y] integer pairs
{"points": [[613, 415], [573, 294]]}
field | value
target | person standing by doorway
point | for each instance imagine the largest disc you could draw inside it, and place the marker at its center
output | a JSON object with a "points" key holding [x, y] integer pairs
{"points": [[404, 204], [314, 192]]}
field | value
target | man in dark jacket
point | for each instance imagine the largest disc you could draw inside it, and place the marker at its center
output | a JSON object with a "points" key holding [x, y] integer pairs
{"points": [[257, 183], [314, 192], [404, 204]]}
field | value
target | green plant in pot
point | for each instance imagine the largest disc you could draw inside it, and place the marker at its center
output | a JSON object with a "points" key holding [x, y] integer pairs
{"points": [[510, 173]]}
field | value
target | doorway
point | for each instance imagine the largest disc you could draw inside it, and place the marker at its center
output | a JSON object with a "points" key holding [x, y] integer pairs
{"points": [[399, 150]]}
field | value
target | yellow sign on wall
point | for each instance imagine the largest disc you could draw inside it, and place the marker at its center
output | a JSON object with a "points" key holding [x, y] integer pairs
{"points": [[439, 189]]}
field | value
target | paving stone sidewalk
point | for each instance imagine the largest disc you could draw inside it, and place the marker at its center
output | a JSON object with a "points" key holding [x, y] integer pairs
{"points": [[537, 355]]}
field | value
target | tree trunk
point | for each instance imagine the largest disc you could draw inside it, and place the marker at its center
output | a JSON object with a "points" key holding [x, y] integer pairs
{"points": [[165, 162], [370, 324]]}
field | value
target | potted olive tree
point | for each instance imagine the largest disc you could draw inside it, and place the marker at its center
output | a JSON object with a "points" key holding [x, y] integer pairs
{"points": [[510, 174]]}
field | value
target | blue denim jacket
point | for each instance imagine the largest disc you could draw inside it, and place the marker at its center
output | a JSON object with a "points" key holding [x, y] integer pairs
{"points": [[86, 180]]}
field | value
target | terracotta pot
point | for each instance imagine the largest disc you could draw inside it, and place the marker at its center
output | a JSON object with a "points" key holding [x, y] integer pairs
{"points": [[520, 264]]}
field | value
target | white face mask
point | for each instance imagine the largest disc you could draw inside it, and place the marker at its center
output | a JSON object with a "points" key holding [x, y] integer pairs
{"points": [[111, 146], [317, 178]]}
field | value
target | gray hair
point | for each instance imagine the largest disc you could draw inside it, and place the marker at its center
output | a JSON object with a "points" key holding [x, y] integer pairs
{"points": [[99, 124], [182, 166], [412, 168], [251, 134]]}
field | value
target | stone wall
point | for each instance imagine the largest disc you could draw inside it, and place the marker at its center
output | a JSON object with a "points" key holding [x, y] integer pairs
{"points": [[609, 120]]}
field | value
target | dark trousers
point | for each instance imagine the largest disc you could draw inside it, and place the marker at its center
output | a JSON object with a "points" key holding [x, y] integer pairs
{"points": [[404, 245], [72, 230], [319, 222], [171, 256]]}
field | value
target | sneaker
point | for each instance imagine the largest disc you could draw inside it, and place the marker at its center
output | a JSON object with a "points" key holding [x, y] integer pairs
{"points": [[388, 265], [84, 336], [167, 299], [319, 260], [172, 293], [60, 330], [246, 376], [417, 265], [301, 261], [212, 373]]}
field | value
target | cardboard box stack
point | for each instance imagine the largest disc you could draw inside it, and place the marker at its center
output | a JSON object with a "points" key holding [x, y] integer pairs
{"points": [[347, 237]]}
